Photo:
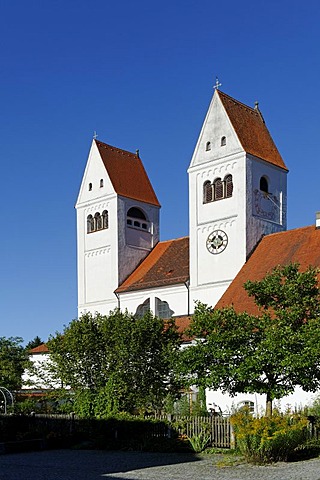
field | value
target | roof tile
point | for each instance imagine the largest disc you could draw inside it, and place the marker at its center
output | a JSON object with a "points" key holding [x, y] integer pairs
{"points": [[39, 349], [251, 130], [301, 245], [166, 264], [127, 174]]}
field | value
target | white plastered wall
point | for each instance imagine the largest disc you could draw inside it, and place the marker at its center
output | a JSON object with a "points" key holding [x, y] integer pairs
{"points": [[176, 296]]}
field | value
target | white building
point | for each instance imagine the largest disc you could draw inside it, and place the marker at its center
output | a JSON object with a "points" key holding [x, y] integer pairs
{"points": [[120, 259], [237, 197]]}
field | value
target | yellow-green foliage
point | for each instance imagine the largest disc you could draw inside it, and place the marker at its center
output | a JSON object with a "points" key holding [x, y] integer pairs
{"points": [[265, 440]]}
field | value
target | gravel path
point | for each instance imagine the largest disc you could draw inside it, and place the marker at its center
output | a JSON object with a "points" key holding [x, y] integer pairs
{"points": [[94, 465]]}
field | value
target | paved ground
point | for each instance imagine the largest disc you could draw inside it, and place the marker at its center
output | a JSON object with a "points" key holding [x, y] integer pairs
{"points": [[94, 465]]}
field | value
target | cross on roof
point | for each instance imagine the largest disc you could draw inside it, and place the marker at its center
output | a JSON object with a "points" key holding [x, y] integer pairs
{"points": [[95, 135], [217, 84]]}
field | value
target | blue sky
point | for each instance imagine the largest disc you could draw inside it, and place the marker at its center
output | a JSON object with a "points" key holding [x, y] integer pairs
{"points": [[140, 73]]}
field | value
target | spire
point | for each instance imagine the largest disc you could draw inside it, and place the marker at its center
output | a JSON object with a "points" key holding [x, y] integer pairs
{"points": [[257, 109]]}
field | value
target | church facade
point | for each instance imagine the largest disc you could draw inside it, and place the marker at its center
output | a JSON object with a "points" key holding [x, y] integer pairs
{"points": [[237, 195], [237, 230]]}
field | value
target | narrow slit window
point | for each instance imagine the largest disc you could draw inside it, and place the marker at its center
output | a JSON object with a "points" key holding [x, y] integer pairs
{"points": [[223, 141], [218, 189], [105, 219], [207, 192], [228, 186], [264, 187], [90, 224], [208, 146], [97, 221]]}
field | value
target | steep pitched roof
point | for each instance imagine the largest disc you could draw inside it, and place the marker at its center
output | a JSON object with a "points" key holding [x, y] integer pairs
{"points": [[127, 174], [166, 264], [301, 245], [251, 130]]}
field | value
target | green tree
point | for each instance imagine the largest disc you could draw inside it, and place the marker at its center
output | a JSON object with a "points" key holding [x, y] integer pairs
{"points": [[36, 342], [116, 362], [13, 360], [270, 353]]}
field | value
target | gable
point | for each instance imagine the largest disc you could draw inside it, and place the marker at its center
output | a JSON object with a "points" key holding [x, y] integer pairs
{"points": [[121, 173], [127, 174], [251, 130], [166, 264], [230, 128], [301, 245], [216, 126]]}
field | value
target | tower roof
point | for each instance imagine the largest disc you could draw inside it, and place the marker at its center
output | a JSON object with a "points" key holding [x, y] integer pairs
{"points": [[166, 264], [251, 130], [301, 245], [127, 174]]}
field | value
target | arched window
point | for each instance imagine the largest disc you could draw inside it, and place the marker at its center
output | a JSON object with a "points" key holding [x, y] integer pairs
{"points": [[207, 192], [97, 221], [136, 218], [218, 189], [246, 405], [223, 141], [90, 224], [264, 187], [162, 309], [105, 219], [208, 146], [136, 213], [228, 186], [90, 187], [101, 182], [143, 308]]}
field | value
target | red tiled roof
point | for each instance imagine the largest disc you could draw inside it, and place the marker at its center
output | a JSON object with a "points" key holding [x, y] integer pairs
{"points": [[182, 324], [166, 264], [40, 349], [301, 245], [127, 174], [251, 130]]}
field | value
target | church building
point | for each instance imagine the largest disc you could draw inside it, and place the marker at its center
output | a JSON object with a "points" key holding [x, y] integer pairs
{"points": [[237, 196], [237, 230]]}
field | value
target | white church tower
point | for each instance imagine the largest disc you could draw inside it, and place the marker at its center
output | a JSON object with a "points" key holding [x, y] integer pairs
{"points": [[117, 224], [237, 194]]}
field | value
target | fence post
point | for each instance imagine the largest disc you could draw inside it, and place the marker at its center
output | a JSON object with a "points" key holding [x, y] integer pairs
{"points": [[232, 437], [169, 427]]}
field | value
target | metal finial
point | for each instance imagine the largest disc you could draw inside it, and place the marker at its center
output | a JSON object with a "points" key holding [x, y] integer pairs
{"points": [[217, 84], [95, 135], [138, 152], [256, 105]]}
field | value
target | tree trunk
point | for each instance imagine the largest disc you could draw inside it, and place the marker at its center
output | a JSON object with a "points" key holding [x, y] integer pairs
{"points": [[269, 405]]}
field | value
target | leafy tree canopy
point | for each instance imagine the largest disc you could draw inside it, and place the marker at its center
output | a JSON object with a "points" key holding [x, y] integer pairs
{"points": [[36, 342], [13, 360], [271, 353], [123, 362]]}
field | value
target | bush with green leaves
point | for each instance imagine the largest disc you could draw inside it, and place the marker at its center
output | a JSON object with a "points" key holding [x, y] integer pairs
{"points": [[269, 439], [200, 441]]}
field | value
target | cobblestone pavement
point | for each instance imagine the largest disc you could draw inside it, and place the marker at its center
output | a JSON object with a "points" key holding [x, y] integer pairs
{"points": [[94, 465]]}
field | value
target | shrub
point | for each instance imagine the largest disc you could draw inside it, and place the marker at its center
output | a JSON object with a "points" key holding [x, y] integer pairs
{"points": [[200, 441], [266, 440]]}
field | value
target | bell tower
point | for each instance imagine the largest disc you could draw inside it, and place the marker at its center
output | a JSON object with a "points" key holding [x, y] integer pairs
{"points": [[117, 224], [237, 194]]}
